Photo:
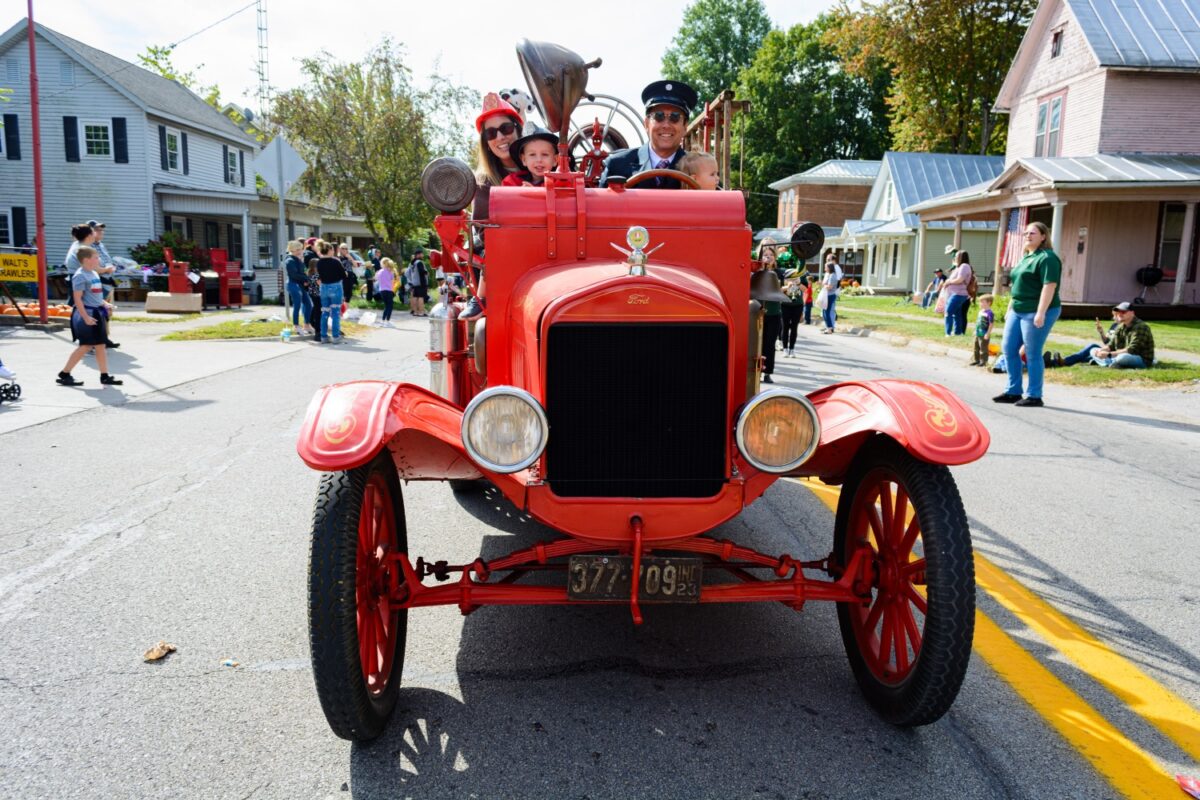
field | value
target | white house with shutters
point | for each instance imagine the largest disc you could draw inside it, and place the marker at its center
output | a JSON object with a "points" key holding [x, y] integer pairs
{"points": [[122, 145]]}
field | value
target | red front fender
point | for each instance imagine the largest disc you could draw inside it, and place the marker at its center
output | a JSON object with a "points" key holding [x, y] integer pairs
{"points": [[927, 419], [347, 424]]}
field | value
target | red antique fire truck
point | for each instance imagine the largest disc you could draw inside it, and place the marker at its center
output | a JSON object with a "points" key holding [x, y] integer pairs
{"points": [[613, 396]]}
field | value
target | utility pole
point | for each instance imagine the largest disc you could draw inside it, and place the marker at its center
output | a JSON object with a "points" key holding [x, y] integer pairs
{"points": [[38, 201]]}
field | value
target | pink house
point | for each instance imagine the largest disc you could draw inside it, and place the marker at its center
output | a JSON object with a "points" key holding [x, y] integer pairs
{"points": [[1103, 100]]}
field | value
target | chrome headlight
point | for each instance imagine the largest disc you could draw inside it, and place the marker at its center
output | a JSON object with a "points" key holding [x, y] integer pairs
{"points": [[504, 429], [448, 185], [778, 430]]}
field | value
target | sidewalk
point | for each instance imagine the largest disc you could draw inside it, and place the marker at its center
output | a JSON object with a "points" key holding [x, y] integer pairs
{"points": [[147, 365]]}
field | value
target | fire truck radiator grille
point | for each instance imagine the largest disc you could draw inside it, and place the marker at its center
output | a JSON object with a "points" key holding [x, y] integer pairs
{"points": [[637, 410]]}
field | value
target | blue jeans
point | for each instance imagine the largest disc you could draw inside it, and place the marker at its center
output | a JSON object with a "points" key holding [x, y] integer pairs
{"points": [[828, 314], [1020, 330], [956, 314], [1083, 355], [300, 300], [1123, 361], [331, 306]]}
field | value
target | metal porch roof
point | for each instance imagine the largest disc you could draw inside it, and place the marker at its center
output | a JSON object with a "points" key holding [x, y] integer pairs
{"points": [[921, 176]]}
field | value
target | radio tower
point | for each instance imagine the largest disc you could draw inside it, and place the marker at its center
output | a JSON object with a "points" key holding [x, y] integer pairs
{"points": [[264, 81]]}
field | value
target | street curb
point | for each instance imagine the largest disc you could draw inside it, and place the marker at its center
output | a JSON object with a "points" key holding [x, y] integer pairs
{"points": [[897, 340]]}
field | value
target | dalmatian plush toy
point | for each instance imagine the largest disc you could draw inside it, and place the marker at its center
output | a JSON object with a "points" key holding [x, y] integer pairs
{"points": [[519, 100]]}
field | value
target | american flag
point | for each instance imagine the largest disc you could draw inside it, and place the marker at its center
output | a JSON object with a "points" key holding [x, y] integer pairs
{"points": [[1014, 239]]}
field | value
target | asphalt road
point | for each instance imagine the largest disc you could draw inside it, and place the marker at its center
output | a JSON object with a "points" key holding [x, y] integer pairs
{"points": [[183, 515]]}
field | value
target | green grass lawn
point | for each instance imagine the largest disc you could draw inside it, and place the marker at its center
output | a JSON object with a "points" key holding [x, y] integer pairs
{"points": [[119, 318], [234, 329], [885, 314]]}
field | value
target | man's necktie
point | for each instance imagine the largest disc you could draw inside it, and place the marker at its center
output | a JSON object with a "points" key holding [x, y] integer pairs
{"points": [[663, 163]]}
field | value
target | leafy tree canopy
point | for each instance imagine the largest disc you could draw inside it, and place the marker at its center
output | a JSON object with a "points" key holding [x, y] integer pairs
{"points": [[948, 57], [806, 109], [715, 41], [367, 131]]}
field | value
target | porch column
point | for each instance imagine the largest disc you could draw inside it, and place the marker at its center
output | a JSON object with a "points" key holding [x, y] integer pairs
{"points": [[958, 233], [919, 267], [1056, 226], [870, 264], [247, 253], [1185, 253]]}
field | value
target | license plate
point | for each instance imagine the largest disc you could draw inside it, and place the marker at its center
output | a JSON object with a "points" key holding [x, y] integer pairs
{"points": [[663, 579]]}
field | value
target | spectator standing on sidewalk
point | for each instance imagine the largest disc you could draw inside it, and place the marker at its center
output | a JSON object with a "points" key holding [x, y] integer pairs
{"points": [[1129, 346], [417, 279], [957, 297], [88, 321], [1034, 308], [351, 279], [830, 284], [793, 309], [331, 273], [983, 331], [385, 286], [297, 287], [107, 267]]}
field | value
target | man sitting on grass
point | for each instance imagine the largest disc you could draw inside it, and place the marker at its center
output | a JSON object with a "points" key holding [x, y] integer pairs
{"points": [[1129, 346]]}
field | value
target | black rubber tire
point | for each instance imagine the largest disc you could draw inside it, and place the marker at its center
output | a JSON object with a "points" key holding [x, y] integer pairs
{"points": [[333, 631], [936, 675]]}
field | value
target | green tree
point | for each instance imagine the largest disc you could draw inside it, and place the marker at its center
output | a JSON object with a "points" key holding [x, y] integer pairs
{"points": [[367, 131], [715, 41], [948, 57], [804, 109], [158, 59]]}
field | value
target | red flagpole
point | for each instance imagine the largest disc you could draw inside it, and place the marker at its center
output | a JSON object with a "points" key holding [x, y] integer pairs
{"points": [[37, 173]]}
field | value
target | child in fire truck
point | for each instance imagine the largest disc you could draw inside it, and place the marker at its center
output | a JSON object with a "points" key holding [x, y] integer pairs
{"points": [[536, 153]]}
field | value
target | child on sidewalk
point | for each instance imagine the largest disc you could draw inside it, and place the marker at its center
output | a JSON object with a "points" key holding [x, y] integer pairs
{"points": [[703, 169], [983, 331], [88, 319]]}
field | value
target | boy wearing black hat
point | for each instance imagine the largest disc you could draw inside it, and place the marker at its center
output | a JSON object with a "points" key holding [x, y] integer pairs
{"points": [[668, 104], [536, 153]]}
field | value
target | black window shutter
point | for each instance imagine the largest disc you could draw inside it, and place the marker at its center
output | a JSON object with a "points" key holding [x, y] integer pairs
{"points": [[187, 226], [71, 137], [225, 162], [120, 141], [12, 138], [162, 148], [242, 165], [20, 232], [166, 223], [184, 153], [229, 240]]}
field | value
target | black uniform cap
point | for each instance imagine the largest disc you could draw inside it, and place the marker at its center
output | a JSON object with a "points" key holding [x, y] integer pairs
{"points": [[670, 93]]}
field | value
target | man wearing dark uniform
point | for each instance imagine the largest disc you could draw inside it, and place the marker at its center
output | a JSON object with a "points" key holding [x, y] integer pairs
{"points": [[668, 104]]}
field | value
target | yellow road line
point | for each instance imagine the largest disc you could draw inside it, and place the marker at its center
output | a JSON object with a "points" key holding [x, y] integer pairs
{"points": [[1127, 767], [1150, 700]]}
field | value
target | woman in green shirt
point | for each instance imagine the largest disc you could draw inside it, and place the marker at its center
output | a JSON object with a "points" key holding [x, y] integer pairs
{"points": [[1032, 312]]}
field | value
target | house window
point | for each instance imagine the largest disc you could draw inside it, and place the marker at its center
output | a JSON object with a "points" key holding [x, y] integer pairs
{"points": [[235, 243], [1056, 43], [1049, 126], [1170, 235], [12, 70], [889, 200], [895, 270], [212, 234], [178, 226], [66, 73], [172, 150], [265, 236], [231, 167], [96, 139], [5, 227]]}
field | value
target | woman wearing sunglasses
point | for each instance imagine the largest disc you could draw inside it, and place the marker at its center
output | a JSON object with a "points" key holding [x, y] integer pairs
{"points": [[499, 125]]}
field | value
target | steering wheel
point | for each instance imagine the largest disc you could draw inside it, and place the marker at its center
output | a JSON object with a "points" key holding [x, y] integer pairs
{"points": [[687, 180]]}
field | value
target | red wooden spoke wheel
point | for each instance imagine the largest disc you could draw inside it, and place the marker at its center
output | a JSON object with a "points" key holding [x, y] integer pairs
{"points": [[909, 641], [356, 628]]}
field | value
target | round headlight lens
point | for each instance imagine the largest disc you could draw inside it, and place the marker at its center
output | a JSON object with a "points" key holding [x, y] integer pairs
{"points": [[448, 184], [778, 430], [504, 429]]}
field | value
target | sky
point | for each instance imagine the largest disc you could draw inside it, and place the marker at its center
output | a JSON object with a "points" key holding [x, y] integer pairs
{"points": [[471, 42]]}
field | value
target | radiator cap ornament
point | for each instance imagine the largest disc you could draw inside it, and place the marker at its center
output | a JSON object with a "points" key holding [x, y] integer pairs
{"points": [[637, 238]]}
